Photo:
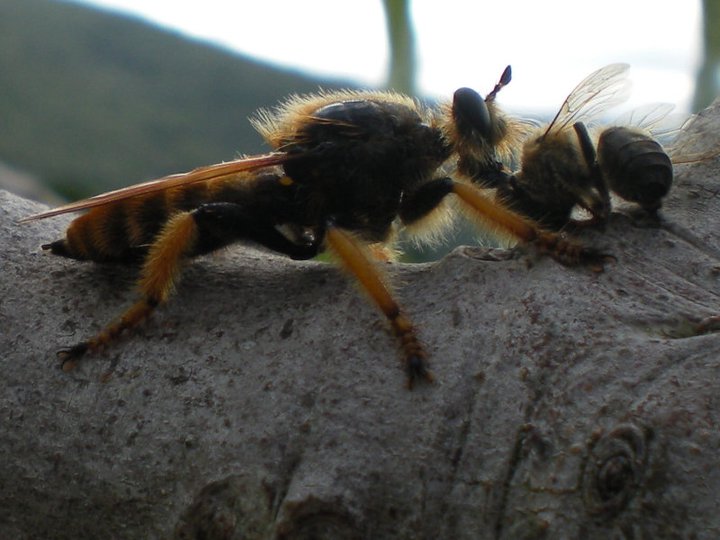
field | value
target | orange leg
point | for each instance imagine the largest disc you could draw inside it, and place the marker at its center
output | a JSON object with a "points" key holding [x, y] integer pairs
{"points": [[159, 274], [495, 216], [186, 234], [358, 263]]}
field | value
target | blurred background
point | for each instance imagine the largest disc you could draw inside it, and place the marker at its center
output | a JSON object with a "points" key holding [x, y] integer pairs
{"points": [[97, 94]]}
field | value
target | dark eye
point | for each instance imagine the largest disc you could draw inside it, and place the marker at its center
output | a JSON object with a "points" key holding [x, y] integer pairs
{"points": [[470, 112], [614, 470]]}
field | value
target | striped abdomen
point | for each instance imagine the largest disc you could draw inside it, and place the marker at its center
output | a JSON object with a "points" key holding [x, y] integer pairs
{"points": [[635, 166], [123, 230]]}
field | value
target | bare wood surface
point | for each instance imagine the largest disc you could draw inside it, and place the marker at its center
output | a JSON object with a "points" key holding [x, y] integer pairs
{"points": [[266, 400]]}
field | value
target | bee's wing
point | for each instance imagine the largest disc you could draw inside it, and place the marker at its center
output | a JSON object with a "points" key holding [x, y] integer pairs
{"points": [[697, 141], [200, 174], [693, 149], [679, 157], [670, 130], [656, 120], [602, 89], [648, 117]]}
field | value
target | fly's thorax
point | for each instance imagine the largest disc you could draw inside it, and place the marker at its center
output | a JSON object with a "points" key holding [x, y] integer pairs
{"points": [[364, 146], [352, 160]]}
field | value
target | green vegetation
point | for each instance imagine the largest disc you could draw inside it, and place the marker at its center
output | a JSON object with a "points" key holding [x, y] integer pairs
{"points": [[402, 46], [90, 100]]}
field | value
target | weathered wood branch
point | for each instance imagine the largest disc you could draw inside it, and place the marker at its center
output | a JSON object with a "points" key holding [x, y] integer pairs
{"points": [[266, 400]]}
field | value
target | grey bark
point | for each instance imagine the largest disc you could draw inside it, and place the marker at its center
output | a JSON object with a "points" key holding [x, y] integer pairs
{"points": [[266, 400]]}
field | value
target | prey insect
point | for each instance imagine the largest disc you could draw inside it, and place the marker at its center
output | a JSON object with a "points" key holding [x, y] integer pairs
{"points": [[347, 170], [565, 166], [559, 169]]}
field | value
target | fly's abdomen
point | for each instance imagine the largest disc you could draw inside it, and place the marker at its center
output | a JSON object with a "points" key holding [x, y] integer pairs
{"points": [[122, 231]]}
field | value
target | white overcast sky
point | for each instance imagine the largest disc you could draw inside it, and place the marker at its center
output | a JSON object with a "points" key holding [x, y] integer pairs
{"points": [[551, 44]]}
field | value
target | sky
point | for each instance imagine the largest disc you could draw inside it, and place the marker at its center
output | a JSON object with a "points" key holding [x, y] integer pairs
{"points": [[551, 44]]}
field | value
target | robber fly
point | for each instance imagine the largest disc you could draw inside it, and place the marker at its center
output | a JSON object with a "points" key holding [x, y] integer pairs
{"points": [[346, 170]]}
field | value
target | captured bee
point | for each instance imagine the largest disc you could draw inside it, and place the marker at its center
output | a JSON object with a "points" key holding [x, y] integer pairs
{"points": [[347, 170], [559, 170]]}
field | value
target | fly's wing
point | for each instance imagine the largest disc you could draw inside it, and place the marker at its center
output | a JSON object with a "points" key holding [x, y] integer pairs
{"points": [[602, 89], [200, 174]]}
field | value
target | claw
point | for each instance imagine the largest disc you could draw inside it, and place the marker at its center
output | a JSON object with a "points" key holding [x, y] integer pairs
{"points": [[417, 370], [69, 357], [570, 253], [593, 259]]}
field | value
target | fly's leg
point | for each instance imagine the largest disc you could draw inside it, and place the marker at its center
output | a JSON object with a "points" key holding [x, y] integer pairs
{"points": [[186, 234], [353, 257], [493, 216], [159, 274]]}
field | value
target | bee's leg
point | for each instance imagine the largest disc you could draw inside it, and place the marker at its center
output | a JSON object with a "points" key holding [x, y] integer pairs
{"points": [[185, 235], [599, 205], [358, 263], [494, 216]]}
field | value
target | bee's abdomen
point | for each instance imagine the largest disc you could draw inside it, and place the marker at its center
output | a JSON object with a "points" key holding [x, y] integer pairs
{"points": [[122, 231], [635, 165]]}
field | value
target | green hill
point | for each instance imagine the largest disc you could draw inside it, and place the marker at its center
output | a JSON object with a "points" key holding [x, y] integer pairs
{"points": [[91, 100]]}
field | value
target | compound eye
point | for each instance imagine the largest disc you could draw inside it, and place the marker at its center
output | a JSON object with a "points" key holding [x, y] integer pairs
{"points": [[471, 112]]}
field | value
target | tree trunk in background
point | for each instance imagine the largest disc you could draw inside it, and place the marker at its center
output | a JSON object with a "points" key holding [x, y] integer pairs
{"points": [[401, 42], [266, 400], [707, 84]]}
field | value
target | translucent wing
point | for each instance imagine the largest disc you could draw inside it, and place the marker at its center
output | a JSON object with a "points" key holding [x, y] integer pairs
{"points": [[602, 89], [656, 120], [697, 141], [646, 117], [681, 134], [201, 174]]}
